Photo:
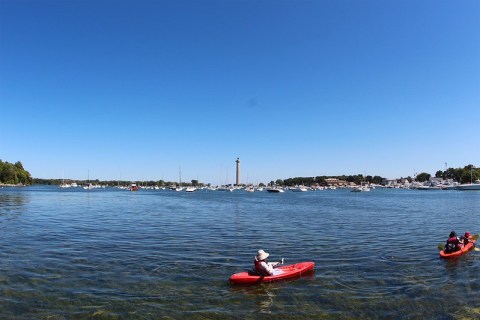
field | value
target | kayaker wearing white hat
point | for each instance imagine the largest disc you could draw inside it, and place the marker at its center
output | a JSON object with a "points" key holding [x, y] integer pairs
{"points": [[263, 267]]}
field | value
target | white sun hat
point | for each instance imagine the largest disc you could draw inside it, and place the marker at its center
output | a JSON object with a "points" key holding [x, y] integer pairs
{"points": [[262, 255]]}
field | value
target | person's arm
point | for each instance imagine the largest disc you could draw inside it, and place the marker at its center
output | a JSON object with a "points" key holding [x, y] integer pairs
{"points": [[267, 267]]}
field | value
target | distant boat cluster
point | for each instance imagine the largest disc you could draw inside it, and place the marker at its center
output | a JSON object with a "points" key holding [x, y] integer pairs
{"points": [[439, 184], [428, 185], [88, 186], [452, 186]]}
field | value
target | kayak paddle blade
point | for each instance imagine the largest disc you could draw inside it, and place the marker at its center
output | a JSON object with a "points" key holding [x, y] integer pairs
{"points": [[440, 247]]}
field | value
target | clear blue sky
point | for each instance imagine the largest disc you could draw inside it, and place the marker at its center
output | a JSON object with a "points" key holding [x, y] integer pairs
{"points": [[136, 89]]}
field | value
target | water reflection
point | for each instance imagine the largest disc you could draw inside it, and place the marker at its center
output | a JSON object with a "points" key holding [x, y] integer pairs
{"points": [[12, 204], [265, 295]]}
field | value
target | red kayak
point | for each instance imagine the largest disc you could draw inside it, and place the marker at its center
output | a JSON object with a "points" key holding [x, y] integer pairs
{"points": [[458, 253], [289, 271]]}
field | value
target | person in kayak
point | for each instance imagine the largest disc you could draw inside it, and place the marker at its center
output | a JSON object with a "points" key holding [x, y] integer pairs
{"points": [[263, 267], [453, 243], [466, 238]]}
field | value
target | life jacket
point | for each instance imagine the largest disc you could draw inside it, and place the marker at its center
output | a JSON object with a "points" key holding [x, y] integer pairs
{"points": [[464, 240], [452, 245], [259, 269]]}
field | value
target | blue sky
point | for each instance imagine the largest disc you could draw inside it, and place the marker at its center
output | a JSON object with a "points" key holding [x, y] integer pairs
{"points": [[136, 89]]}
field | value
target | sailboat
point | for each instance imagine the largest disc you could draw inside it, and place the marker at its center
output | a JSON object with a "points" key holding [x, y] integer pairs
{"points": [[89, 185], [179, 187], [63, 184], [470, 186]]}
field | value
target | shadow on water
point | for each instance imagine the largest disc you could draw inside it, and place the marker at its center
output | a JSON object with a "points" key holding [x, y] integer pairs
{"points": [[13, 204], [265, 295]]}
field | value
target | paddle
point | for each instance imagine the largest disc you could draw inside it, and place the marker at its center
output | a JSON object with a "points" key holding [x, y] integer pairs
{"points": [[275, 264], [475, 237]]}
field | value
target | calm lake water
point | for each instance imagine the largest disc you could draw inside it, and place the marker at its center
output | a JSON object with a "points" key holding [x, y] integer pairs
{"points": [[109, 254]]}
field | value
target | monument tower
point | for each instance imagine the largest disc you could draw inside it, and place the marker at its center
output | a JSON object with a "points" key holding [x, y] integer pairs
{"points": [[238, 172]]}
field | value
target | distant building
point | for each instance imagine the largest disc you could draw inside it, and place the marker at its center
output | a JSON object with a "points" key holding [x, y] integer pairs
{"points": [[436, 180], [389, 182], [335, 182]]}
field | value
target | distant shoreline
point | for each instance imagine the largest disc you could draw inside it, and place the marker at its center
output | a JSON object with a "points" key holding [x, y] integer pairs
{"points": [[11, 185]]}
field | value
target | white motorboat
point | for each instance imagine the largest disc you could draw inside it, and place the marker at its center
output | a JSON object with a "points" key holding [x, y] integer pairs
{"points": [[299, 189], [133, 187], [88, 186], [469, 186]]}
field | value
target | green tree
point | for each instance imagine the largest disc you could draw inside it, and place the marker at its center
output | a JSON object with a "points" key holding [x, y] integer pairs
{"points": [[469, 174], [377, 179], [14, 173], [423, 177]]}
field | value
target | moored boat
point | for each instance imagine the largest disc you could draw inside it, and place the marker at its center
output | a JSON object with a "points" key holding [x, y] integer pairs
{"points": [[469, 186], [289, 271]]}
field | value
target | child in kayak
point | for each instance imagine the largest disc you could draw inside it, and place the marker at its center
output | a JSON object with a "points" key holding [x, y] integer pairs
{"points": [[466, 238], [453, 243], [263, 267]]}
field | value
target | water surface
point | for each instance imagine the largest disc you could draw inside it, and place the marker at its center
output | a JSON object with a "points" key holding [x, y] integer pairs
{"points": [[109, 254]]}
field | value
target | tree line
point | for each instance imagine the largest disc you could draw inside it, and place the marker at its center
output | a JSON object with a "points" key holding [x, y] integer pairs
{"points": [[122, 183], [466, 174], [14, 174], [321, 180]]}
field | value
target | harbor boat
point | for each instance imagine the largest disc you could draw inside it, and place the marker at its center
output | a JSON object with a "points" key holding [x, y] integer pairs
{"points": [[179, 188], [289, 271], [469, 186], [299, 189], [428, 188], [89, 186], [360, 189], [190, 189], [275, 190], [64, 185], [472, 185]]}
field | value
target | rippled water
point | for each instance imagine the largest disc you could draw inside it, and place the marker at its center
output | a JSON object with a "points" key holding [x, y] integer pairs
{"points": [[108, 254]]}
